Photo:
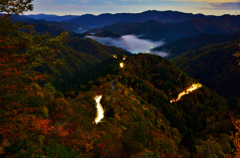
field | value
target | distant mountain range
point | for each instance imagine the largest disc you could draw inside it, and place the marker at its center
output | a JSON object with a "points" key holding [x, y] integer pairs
{"points": [[102, 20], [109, 19], [153, 25], [155, 30], [52, 17]]}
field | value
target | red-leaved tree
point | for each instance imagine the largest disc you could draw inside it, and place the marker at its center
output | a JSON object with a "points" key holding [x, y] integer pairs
{"points": [[21, 107]]}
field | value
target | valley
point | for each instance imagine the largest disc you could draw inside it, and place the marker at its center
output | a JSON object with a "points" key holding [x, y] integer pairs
{"points": [[132, 44]]}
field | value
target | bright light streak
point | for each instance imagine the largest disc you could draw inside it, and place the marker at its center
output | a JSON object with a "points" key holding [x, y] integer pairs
{"points": [[193, 87], [100, 111], [121, 65]]}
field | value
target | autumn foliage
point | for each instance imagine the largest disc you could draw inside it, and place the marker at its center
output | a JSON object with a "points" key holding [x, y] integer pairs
{"points": [[39, 120], [21, 106], [235, 137]]}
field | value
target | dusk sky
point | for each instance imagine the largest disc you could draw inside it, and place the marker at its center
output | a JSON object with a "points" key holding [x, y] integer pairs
{"points": [[80, 7]]}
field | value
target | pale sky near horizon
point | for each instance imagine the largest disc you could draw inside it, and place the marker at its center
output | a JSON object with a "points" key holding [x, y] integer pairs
{"points": [[80, 7]]}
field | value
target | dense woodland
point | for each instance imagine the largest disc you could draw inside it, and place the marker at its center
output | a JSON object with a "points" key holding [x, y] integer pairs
{"points": [[194, 43], [48, 85], [215, 66]]}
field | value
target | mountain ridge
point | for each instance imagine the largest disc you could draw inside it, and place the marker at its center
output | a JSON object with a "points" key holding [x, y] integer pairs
{"points": [[155, 30], [97, 20], [161, 16]]}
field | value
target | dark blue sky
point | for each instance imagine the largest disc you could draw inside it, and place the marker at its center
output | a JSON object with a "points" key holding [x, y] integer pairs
{"points": [[79, 7]]}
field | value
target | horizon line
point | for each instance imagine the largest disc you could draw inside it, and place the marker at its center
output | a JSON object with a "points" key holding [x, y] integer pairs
{"points": [[131, 13]]}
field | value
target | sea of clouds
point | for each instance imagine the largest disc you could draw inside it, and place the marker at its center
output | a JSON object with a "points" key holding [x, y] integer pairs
{"points": [[132, 44]]}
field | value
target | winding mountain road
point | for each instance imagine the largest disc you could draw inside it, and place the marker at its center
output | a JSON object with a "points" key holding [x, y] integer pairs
{"points": [[192, 88], [100, 111], [112, 84]]}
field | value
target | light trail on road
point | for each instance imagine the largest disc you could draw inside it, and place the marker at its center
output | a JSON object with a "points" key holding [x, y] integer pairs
{"points": [[193, 87], [100, 111], [121, 65]]}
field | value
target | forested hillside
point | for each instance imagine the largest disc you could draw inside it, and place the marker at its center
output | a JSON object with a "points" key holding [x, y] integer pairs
{"points": [[194, 43], [139, 109], [215, 66], [155, 30], [77, 54]]}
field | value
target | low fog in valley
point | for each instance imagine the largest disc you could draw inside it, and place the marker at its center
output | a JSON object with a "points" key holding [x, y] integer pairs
{"points": [[132, 44]]}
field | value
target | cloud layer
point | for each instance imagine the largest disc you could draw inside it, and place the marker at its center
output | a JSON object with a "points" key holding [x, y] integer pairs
{"points": [[132, 44], [226, 6]]}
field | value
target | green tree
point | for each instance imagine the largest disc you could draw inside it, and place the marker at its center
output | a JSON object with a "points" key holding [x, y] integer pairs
{"points": [[15, 6]]}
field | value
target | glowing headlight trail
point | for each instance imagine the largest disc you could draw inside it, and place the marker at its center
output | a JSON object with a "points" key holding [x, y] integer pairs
{"points": [[100, 111], [121, 65], [187, 91]]}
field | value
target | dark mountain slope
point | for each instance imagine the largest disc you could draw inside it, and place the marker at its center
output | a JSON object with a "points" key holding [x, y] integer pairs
{"points": [[119, 28], [193, 43], [140, 106], [109, 19], [73, 62], [107, 34], [215, 66], [42, 27], [165, 77], [91, 47], [55, 28], [79, 54], [67, 26], [156, 81], [51, 17], [171, 31]]}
